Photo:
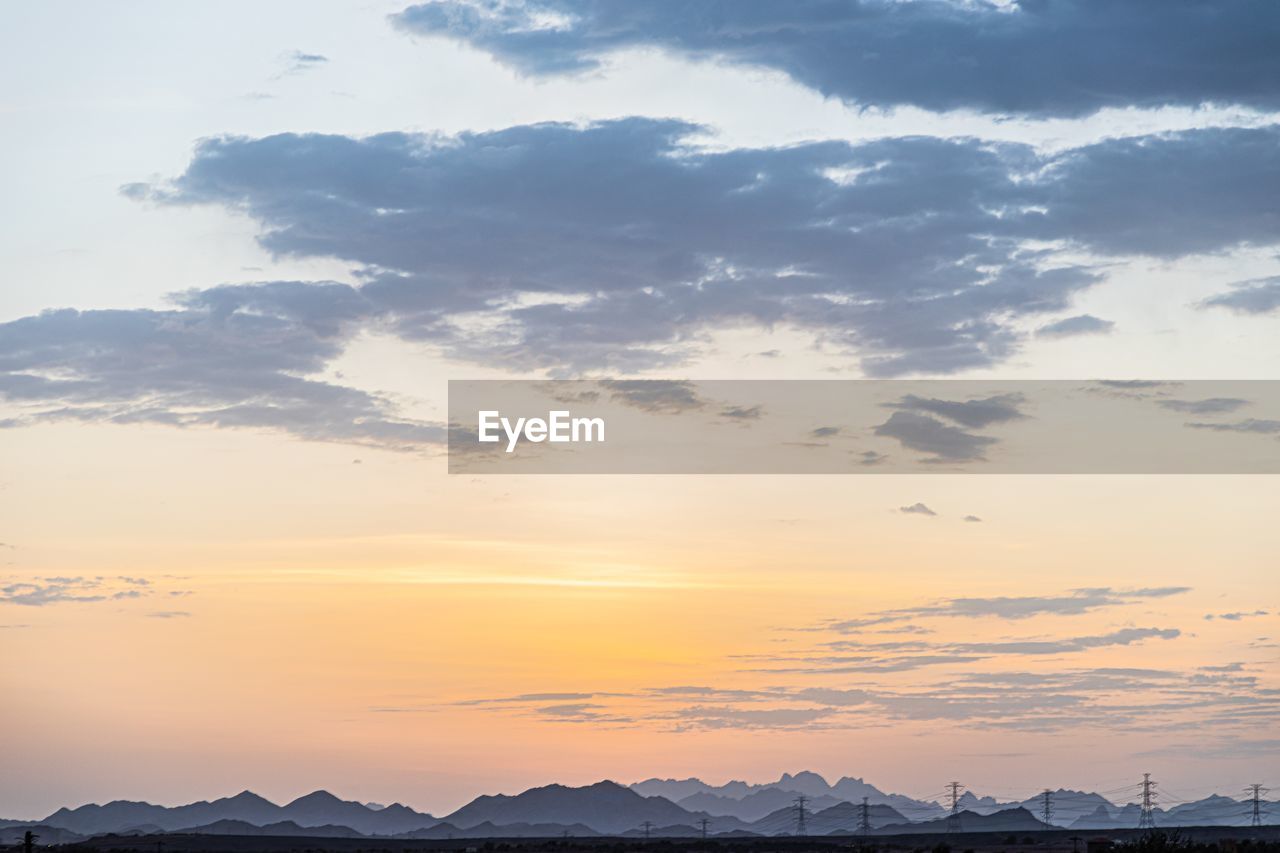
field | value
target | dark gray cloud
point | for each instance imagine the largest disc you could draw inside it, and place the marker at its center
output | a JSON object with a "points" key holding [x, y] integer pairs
{"points": [[614, 247], [1060, 57], [1083, 324], [657, 396], [974, 414], [634, 244], [942, 442], [232, 357], [1258, 296], [916, 509]]}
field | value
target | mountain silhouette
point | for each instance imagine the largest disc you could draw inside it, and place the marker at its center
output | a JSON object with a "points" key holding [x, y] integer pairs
{"points": [[606, 807], [1009, 820], [750, 802], [316, 809], [322, 807], [753, 806], [285, 828]]}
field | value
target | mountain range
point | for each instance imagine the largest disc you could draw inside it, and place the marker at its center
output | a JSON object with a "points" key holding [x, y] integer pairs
{"points": [[668, 807]]}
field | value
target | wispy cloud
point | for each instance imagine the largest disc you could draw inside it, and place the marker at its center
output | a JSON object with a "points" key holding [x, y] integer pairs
{"points": [[1072, 603], [61, 590], [1084, 324]]}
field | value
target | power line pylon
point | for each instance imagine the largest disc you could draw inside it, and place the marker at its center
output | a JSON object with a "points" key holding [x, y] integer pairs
{"points": [[702, 824], [1046, 806], [646, 826], [1255, 792], [1147, 820], [953, 819], [801, 829], [864, 818]]}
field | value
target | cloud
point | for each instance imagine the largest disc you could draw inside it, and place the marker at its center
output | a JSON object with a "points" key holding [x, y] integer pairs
{"points": [[1209, 406], [613, 245], [972, 518], [1025, 57], [1250, 425], [633, 243], [824, 432], [169, 614], [974, 414], [42, 592], [728, 717], [1084, 324], [657, 396], [943, 442], [616, 247], [231, 357], [1122, 637], [1258, 296], [1237, 615], [1073, 603], [298, 62], [1049, 698], [742, 413], [916, 509]]}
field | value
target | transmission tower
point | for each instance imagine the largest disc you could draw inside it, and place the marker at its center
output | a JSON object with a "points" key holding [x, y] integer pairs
{"points": [[801, 829], [953, 819], [864, 818], [646, 826], [1255, 792], [702, 824], [1046, 806], [1147, 820]]}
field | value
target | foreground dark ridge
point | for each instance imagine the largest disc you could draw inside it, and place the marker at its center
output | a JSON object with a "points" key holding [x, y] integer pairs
{"points": [[1186, 840]]}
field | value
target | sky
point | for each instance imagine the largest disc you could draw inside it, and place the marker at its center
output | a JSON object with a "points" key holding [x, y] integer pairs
{"points": [[245, 246]]}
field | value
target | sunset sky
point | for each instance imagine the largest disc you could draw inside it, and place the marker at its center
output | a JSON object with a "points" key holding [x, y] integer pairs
{"points": [[246, 245]]}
